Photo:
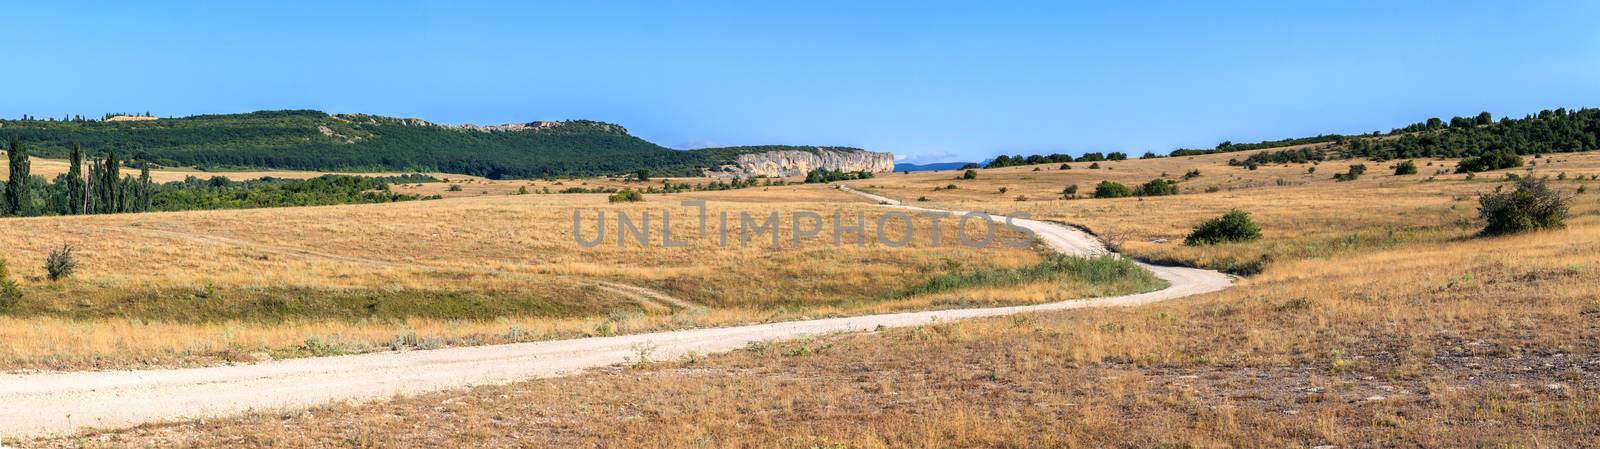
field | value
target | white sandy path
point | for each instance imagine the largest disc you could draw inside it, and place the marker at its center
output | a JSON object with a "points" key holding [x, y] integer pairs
{"points": [[53, 403]]}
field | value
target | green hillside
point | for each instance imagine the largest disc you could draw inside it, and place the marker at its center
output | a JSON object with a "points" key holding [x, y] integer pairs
{"points": [[313, 140]]}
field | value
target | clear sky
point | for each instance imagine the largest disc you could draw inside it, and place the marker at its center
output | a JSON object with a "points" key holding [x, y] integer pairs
{"points": [[928, 80]]}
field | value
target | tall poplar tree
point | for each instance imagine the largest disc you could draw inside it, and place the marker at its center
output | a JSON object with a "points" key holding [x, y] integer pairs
{"points": [[19, 198]]}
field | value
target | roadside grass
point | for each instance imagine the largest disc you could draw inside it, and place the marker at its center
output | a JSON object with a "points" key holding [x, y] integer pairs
{"points": [[1112, 273]]}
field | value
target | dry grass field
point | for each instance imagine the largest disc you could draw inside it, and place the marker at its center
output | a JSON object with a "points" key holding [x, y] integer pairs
{"points": [[1374, 317], [205, 287]]}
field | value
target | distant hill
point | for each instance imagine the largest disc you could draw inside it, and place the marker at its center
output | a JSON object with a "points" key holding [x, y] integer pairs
{"points": [[314, 140], [930, 167]]}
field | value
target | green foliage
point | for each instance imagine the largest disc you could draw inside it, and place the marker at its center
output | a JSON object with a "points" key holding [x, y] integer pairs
{"points": [[969, 174], [1405, 168], [1549, 131], [823, 175], [313, 140], [1356, 170], [1533, 205], [19, 183], [1234, 226], [1100, 270], [222, 193], [1296, 156], [1158, 187], [1229, 146], [60, 263], [10, 294], [1108, 189], [626, 196], [1489, 161]]}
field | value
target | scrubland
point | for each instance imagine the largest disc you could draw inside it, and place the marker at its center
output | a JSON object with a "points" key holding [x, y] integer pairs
{"points": [[1372, 316]]}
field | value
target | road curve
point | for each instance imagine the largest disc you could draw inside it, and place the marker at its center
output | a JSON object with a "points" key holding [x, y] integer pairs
{"points": [[54, 403]]}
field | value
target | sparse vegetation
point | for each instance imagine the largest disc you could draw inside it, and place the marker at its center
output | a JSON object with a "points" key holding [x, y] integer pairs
{"points": [[626, 196]]}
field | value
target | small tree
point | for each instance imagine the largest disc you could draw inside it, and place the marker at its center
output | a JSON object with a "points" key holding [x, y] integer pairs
{"points": [[970, 174], [60, 263], [1532, 206], [1234, 226]]}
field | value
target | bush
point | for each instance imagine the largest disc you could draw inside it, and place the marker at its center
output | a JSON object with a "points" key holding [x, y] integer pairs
{"points": [[454, 188], [626, 196], [60, 263], [1066, 167], [1158, 187], [10, 295], [1094, 165], [970, 174], [1405, 168], [1070, 190], [1108, 189], [1234, 226], [1490, 161], [1532, 206], [1354, 173]]}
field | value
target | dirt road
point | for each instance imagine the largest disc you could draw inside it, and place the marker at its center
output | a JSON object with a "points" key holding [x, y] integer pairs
{"points": [[63, 402]]}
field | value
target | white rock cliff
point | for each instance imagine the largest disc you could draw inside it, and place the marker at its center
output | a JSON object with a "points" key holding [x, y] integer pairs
{"points": [[799, 162]]}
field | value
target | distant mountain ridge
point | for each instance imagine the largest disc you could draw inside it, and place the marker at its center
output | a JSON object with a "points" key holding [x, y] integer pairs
{"points": [[934, 166], [314, 140]]}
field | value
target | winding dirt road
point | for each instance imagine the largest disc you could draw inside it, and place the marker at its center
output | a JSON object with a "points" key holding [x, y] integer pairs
{"points": [[63, 402]]}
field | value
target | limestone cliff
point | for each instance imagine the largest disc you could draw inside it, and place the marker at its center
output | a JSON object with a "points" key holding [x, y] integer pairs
{"points": [[799, 162]]}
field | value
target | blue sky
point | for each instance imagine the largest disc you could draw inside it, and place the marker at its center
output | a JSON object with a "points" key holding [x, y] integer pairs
{"points": [[928, 80]]}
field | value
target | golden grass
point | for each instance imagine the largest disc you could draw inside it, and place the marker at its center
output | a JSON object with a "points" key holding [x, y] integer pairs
{"points": [[208, 286], [1427, 338]]}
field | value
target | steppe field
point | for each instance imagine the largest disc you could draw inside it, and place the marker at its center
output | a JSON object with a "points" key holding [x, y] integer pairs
{"points": [[1369, 314], [216, 287]]}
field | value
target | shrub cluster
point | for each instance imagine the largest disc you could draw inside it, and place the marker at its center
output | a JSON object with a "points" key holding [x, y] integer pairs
{"points": [[626, 196], [1405, 168]]}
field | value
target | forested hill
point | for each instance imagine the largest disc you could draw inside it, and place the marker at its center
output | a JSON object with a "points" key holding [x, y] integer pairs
{"points": [[313, 140], [1550, 131]]}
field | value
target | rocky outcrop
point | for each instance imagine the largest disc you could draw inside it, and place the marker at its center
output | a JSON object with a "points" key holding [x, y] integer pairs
{"points": [[799, 162]]}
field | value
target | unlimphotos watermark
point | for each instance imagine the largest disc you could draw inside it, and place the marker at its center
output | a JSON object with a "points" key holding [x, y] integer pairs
{"points": [[803, 226]]}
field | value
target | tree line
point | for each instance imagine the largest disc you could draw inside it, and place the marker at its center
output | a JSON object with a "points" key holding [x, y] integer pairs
{"points": [[103, 188], [1054, 158]]}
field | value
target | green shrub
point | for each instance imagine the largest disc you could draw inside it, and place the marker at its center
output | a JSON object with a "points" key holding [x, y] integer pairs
{"points": [[626, 196], [1066, 167], [1405, 168], [970, 174], [454, 188], [60, 263], [1234, 226], [1489, 161], [1533, 205], [1108, 189], [10, 295], [1158, 187], [1355, 173]]}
